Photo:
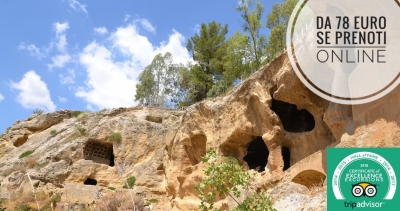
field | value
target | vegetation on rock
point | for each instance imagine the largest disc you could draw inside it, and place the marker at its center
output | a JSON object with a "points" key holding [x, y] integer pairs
{"points": [[130, 182], [225, 177], [26, 153], [115, 137]]}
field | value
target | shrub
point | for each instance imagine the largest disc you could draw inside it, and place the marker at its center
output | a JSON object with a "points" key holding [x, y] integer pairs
{"points": [[223, 176], [81, 130], [111, 188], [1, 205], [76, 113], [131, 182], [119, 201], [153, 201], [38, 111], [115, 137], [27, 153], [54, 200], [83, 117], [23, 207], [41, 165], [53, 132]]}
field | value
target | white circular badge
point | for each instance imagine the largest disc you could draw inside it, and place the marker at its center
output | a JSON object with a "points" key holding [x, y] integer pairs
{"points": [[347, 52]]}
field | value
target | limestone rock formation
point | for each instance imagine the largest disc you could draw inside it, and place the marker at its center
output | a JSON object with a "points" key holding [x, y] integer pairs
{"points": [[274, 126]]}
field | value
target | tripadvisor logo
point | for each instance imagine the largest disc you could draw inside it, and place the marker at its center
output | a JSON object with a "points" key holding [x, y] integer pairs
{"points": [[362, 180]]}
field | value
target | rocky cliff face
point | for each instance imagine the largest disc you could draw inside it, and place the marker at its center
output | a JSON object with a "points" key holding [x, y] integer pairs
{"points": [[271, 123]]}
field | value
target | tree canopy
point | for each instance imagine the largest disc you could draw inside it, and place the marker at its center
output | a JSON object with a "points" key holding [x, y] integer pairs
{"points": [[218, 62]]}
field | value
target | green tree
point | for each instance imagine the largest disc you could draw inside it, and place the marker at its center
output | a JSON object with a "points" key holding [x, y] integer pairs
{"points": [[157, 81], [277, 22], [236, 63], [252, 25], [208, 49], [224, 176]]}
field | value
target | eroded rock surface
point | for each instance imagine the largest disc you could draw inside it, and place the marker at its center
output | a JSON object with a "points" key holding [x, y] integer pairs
{"points": [[274, 126]]}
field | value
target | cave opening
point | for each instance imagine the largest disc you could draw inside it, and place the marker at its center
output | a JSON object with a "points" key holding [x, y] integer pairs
{"points": [[90, 181], [257, 154], [112, 158], [293, 120], [99, 152], [286, 158]]}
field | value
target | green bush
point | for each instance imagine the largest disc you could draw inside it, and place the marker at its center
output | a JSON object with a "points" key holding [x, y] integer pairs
{"points": [[1, 205], [83, 117], [54, 200], [38, 111], [23, 207], [53, 132], [27, 153], [76, 113], [81, 130], [41, 165], [131, 182], [223, 176], [154, 201], [115, 137], [111, 188]]}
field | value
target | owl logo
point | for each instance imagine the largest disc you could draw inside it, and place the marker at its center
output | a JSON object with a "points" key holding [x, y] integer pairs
{"points": [[364, 189]]}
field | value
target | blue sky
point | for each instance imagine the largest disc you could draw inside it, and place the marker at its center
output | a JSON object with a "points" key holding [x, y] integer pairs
{"points": [[87, 55]]}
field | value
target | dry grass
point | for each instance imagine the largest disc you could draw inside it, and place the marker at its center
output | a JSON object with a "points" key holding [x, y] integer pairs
{"points": [[17, 167], [31, 162], [317, 188], [26, 201], [119, 201]]}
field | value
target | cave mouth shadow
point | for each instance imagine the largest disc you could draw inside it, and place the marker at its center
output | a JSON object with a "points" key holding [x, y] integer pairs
{"points": [[293, 120], [90, 181], [286, 158], [257, 154]]}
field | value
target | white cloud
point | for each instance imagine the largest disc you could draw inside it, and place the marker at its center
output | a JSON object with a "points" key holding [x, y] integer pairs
{"points": [[59, 61], [197, 28], [74, 4], [127, 16], [176, 47], [33, 50], [146, 25], [110, 84], [68, 78], [63, 58], [61, 29], [62, 99], [34, 93], [1, 97], [101, 30], [111, 80]]}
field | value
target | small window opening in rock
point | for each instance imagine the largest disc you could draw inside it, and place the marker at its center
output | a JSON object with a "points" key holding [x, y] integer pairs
{"points": [[89, 181], [286, 158], [99, 152], [257, 154], [293, 120]]}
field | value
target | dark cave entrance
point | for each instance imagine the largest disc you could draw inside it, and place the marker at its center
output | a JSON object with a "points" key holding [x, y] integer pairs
{"points": [[112, 157], [257, 154], [89, 181], [99, 152], [293, 120], [286, 158]]}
